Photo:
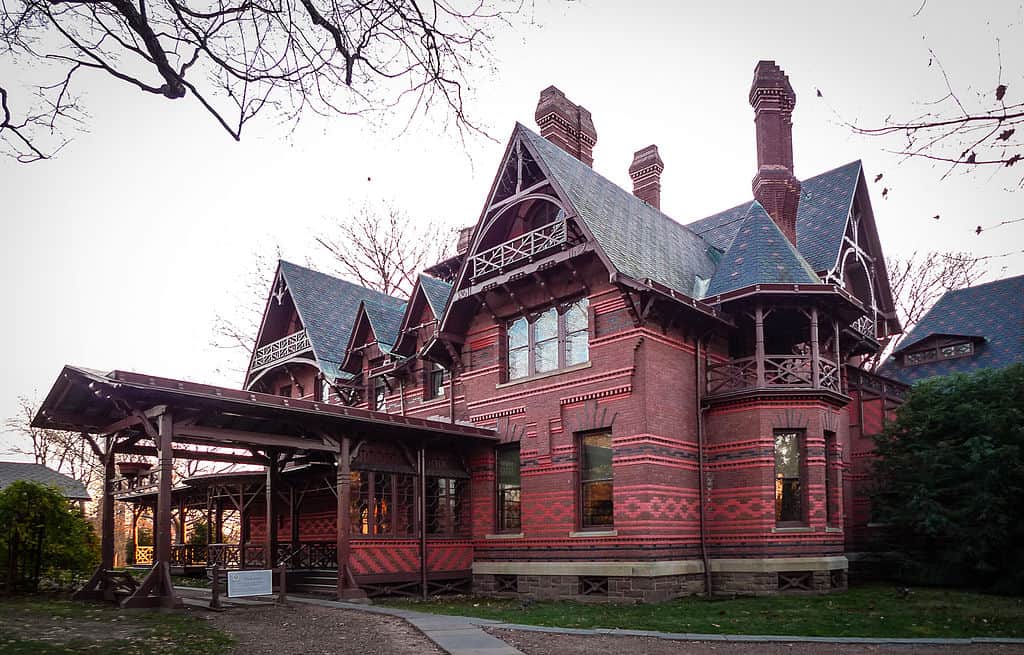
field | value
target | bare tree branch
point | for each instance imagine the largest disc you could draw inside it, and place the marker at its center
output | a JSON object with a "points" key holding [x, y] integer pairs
{"points": [[237, 58]]}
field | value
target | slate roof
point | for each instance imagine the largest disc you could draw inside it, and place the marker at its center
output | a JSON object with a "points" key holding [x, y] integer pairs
{"points": [[327, 307], [993, 311], [386, 320], [437, 293], [11, 472], [640, 241], [759, 254], [825, 202]]}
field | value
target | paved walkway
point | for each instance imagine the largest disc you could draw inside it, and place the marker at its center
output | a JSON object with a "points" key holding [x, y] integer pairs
{"points": [[463, 635]]}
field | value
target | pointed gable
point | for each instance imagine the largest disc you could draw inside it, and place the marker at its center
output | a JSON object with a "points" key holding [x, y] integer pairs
{"points": [[759, 254], [385, 319], [327, 307], [437, 293], [639, 240], [825, 203]]}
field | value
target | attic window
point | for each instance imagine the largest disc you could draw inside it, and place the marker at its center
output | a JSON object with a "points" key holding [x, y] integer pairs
{"points": [[950, 351]]}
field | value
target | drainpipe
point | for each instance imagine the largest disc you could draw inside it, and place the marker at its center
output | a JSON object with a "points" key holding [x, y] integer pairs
{"points": [[702, 493]]}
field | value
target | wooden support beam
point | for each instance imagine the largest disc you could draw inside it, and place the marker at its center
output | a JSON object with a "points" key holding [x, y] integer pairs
{"points": [[222, 436], [345, 588], [815, 351], [271, 503], [759, 343], [421, 516], [181, 453]]}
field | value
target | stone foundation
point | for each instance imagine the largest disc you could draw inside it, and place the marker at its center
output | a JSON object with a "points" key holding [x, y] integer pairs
{"points": [[654, 582]]}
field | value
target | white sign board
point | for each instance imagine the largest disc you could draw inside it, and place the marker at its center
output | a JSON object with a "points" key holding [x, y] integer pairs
{"points": [[250, 583]]}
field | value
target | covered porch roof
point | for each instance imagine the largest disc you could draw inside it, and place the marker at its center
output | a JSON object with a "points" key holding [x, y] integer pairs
{"points": [[119, 402]]}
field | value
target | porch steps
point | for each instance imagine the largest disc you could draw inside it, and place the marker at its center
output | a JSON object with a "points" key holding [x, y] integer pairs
{"points": [[318, 583]]}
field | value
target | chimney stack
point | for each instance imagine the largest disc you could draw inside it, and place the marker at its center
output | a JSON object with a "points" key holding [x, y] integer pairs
{"points": [[775, 186], [566, 124], [645, 172]]}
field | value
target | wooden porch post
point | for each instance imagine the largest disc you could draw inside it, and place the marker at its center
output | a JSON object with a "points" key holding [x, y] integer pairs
{"points": [[346, 588], [421, 510], [218, 533], [107, 528], [759, 343], [162, 527], [293, 516], [815, 354], [270, 496]]}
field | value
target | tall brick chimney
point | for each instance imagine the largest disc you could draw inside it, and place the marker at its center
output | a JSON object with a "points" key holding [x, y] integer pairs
{"points": [[775, 186], [645, 172], [566, 124]]}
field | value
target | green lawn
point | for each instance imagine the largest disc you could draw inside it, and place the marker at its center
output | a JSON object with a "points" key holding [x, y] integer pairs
{"points": [[871, 611], [41, 625]]}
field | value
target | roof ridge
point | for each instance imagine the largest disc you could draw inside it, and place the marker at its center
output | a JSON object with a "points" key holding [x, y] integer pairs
{"points": [[339, 279]]}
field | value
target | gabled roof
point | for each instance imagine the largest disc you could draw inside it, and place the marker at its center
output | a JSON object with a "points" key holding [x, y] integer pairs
{"points": [[640, 241], [11, 472], [825, 202], [993, 311], [759, 254], [327, 308], [386, 320], [437, 293]]}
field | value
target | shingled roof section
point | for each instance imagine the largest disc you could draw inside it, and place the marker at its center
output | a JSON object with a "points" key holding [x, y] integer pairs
{"points": [[759, 254], [386, 321], [993, 311], [327, 307], [11, 472], [825, 202], [640, 241], [437, 293]]}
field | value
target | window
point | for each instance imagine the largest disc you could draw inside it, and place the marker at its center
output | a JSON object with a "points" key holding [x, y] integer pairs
{"points": [[551, 340], [380, 392], [596, 480], [509, 489], [382, 504], [789, 505], [434, 383], [444, 505], [831, 495], [951, 351]]}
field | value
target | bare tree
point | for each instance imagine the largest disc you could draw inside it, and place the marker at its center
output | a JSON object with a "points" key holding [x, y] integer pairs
{"points": [[62, 451], [237, 58], [376, 246], [918, 281], [379, 247]]}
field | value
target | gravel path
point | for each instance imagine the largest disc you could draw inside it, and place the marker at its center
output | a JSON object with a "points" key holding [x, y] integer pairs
{"points": [[538, 643], [299, 629]]}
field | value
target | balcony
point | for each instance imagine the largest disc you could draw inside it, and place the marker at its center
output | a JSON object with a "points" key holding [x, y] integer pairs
{"points": [[276, 351], [523, 248], [865, 325], [778, 372]]}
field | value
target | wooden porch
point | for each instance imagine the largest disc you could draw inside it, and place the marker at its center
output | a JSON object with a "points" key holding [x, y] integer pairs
{"points": [[131, 413]]}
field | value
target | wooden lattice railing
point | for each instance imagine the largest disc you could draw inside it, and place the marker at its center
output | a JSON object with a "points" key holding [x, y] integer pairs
{"points": [[275, 351], [526, 246], [143, 555], [780, 372]]}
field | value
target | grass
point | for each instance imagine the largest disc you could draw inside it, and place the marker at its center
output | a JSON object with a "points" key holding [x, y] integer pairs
{"points": [[44, 625], [870, 611]]}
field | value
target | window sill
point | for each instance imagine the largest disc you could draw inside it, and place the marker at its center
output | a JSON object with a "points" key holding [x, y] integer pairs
{"points": [[792, 529], [541, 376], [505, 535], [832, 529], [593, 533]]}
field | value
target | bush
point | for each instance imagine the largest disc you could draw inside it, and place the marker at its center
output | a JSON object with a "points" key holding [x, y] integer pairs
{"points": [[951, 479], [43, 536]]}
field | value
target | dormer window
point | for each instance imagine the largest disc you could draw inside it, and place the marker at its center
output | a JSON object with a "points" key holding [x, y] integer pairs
{"points": [[555, 338], [380, 391], [434, 381], [950, 351]]}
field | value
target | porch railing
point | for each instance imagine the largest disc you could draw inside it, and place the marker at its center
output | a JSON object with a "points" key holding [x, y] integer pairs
{"points": [[275, 351], [143, 555], [306, 555], [780, 372], [533, 243], [864, 325]]}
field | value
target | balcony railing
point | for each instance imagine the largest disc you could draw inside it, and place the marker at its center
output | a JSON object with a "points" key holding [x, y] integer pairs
{"points": [[526, 246], [274, 352], [780, 372], [864, 325]]}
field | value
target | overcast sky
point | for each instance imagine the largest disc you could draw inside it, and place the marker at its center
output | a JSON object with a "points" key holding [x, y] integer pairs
{"points": [[118, 253]]}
